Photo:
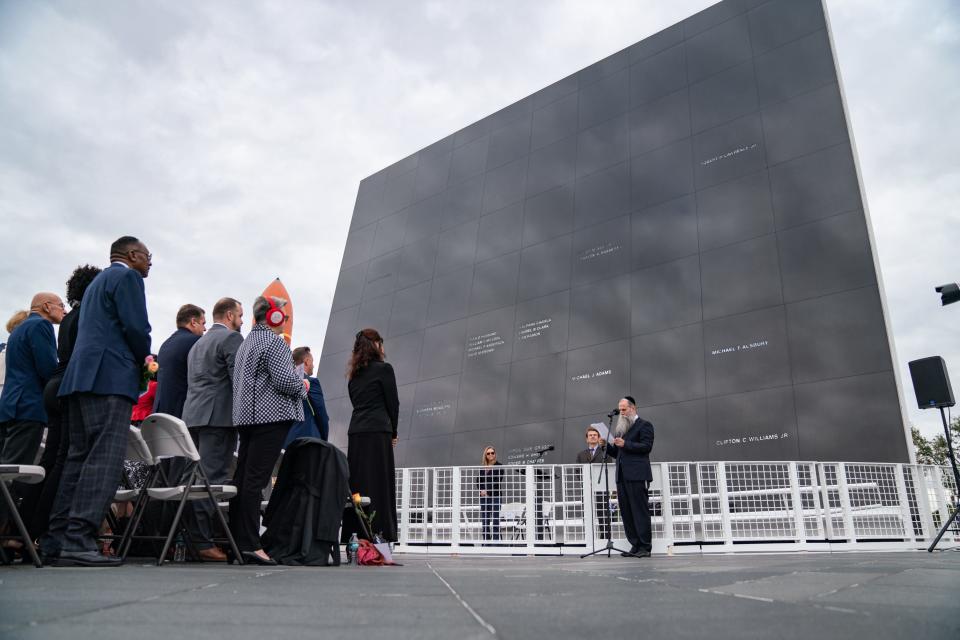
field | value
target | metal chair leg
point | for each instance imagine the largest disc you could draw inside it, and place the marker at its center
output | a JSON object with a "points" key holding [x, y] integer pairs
{"points": [[223, 521], [138, 510], [27, 540], [176, 521]]}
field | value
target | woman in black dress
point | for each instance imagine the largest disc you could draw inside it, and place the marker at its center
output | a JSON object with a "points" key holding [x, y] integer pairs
{"points": [[372, 435]]}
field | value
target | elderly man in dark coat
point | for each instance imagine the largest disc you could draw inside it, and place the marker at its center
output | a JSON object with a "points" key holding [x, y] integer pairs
{"points": [[631, 446], [100, 386]]}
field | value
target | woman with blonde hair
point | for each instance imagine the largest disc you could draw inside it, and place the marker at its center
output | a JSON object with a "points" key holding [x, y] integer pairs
{"points": [[16, 319], [12, 323], [489, 481]]}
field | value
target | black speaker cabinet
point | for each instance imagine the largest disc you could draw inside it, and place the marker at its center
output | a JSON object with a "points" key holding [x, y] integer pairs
{"points": [[931, 383]]}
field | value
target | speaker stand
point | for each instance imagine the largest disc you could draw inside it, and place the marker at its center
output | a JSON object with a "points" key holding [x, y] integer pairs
{"points": [[956, 480]]}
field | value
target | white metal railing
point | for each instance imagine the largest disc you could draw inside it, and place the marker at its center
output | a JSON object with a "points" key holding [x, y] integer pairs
{"points": [[695, 506]]}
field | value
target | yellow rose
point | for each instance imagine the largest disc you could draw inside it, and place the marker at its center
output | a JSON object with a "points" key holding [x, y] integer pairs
{"points": [[356, 498]]}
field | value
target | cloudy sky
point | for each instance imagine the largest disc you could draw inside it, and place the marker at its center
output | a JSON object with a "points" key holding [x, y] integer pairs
{"points": [[231, 137]]}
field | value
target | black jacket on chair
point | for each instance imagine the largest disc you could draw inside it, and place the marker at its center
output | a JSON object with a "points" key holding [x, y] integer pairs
{"points": [[376, 406], [306, 506]]}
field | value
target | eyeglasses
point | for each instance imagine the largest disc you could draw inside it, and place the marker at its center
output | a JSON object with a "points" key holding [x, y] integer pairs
{"points": [[491, 453], [149, 256]]}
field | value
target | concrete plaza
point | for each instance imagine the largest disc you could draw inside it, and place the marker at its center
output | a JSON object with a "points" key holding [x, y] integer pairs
{"points": [[798, 595]]}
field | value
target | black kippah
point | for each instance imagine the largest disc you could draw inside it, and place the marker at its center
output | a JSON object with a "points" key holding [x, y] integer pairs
{"points": [[630, 400]]}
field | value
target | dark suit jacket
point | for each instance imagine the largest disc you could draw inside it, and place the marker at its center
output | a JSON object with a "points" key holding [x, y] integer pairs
{"points": [[316, 422], [172, 376], [31, 360], [210, 362], [315, 398], [584, 456], [376, 407], [113, 338], [633, 459]]}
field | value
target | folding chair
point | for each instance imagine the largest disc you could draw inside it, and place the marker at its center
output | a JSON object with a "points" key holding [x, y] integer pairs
{"points": [[137, 451], [29, 474], [513, 518], [168, 437]]}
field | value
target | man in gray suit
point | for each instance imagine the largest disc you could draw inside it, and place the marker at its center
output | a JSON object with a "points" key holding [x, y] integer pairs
{"points": [[208, 411], [594, 453]]}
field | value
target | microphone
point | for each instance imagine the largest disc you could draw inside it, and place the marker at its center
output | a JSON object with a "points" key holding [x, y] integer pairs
{"points": [[615, 411]]}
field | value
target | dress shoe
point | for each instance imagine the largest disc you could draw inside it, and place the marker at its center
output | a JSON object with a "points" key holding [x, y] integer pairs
{"points": [[249, 557], [86, 559], [48, 557], [641, 554], [213, 554]]}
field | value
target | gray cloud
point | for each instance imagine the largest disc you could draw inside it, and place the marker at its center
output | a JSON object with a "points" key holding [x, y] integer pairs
{"points": [[232, 137]]}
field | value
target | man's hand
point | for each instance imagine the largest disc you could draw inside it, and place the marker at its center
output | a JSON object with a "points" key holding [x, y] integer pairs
{"points": [[394, 441], [618, 442]]}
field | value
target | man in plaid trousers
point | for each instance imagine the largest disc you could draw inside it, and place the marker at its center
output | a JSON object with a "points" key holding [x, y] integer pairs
{"points": [[100, 385]]}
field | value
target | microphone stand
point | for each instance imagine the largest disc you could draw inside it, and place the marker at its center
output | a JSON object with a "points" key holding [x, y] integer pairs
{"points": [[605, 472], [956, 479]]}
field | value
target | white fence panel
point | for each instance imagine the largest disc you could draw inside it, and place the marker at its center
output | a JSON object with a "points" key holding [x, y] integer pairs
{"points": [[702, 506]]}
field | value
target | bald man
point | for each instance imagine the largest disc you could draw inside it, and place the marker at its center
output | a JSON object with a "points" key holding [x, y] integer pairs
{"points": [[31, 356]]}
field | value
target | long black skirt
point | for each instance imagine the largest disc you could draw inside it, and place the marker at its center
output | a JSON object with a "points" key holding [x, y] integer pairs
{"points": [[373, 474]]}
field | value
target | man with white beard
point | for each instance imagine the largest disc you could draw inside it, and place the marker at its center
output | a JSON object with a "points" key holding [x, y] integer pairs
{"points": [[631, 445]]}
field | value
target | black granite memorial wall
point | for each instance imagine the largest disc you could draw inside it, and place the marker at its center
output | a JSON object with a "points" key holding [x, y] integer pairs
{"points": [[681, 222]]}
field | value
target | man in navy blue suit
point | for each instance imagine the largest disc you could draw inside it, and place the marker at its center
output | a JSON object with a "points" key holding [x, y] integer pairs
{"points": [[31, 359], [631, 446], [316, 422], [100, 385], [172, 376]]}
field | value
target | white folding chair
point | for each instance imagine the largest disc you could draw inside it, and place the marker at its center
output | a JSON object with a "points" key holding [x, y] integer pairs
{"points": [[137, 451], [28, 474], [168, 437], [513, 520]]}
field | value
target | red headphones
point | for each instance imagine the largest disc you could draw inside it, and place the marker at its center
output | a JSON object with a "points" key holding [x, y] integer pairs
{"points": [[275, 317]]}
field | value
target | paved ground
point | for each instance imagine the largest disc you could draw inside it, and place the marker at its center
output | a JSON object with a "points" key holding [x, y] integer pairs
{"points": [[842, 595]]}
